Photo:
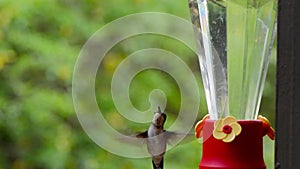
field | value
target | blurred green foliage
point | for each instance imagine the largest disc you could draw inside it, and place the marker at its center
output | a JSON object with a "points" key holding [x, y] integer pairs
{"points": [[39, 43]]}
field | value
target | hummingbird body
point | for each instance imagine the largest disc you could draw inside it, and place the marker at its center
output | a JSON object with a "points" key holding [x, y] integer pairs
{"points": [[156, 139]]}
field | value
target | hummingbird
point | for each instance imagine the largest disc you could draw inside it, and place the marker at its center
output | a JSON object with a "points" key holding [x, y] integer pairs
{"points": [[157, 139]]}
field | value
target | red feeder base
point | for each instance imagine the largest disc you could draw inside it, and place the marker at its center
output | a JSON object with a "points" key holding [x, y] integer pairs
{"points": [[244, 152]]}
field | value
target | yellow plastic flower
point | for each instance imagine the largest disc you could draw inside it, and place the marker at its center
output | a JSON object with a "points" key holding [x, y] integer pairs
{"points": [[226, 129], [268, 130], [199, 126]]}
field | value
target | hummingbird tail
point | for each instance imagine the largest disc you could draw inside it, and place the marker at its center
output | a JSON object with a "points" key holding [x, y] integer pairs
{"points": [[160, 166]]}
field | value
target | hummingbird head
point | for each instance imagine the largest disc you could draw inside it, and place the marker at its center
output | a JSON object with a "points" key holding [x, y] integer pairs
{"points": [[159, 118]]}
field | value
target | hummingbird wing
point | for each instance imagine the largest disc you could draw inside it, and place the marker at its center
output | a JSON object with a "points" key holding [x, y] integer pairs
{"points": [[142, 135], [136, 139], [174, 137]]}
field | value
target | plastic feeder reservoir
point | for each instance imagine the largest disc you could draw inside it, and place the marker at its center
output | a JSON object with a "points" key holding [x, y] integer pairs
{"points": [[234, 40]]}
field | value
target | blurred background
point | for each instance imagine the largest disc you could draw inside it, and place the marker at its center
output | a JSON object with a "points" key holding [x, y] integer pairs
{"points": [[39, 44]]}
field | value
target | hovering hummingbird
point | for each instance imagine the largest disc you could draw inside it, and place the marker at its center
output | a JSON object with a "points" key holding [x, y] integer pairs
{"points": [[157, 139]]}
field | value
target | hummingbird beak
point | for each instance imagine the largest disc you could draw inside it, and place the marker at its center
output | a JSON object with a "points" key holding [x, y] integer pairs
{"points": [[159, 110]]}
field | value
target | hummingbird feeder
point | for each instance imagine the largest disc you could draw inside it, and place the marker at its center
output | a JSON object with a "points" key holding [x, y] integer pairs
{"points": [[234, 40]]}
